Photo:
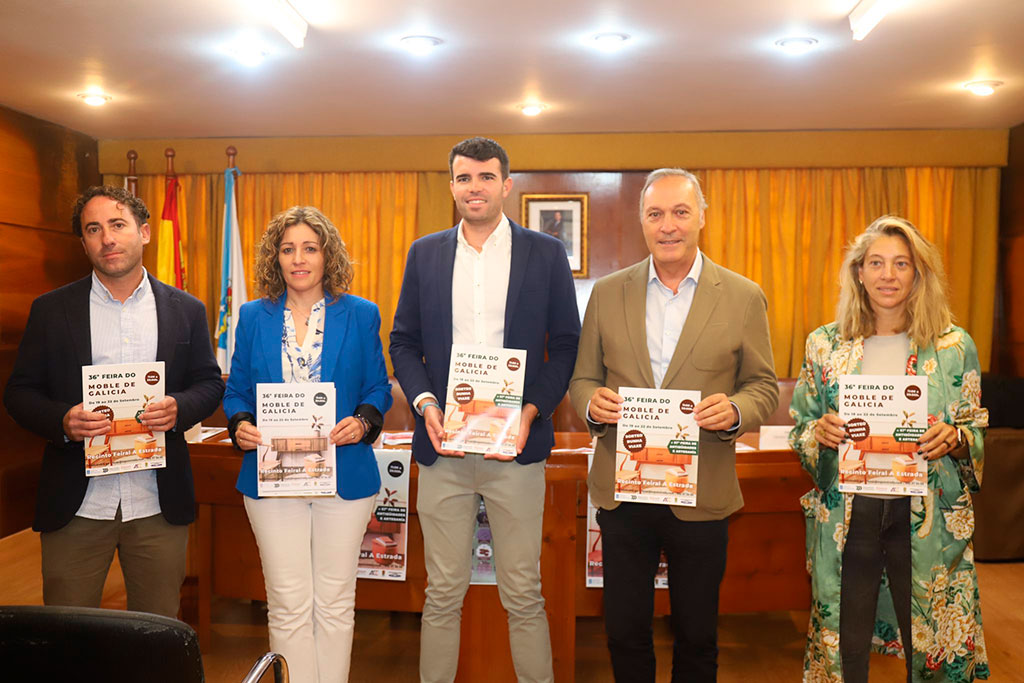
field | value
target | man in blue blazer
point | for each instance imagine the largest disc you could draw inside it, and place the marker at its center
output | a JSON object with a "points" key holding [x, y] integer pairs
{"points": [[490, 282], [118, 314]]}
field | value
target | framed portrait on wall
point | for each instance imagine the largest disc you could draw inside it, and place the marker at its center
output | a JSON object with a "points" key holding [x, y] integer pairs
{"points": [[563, 216]]}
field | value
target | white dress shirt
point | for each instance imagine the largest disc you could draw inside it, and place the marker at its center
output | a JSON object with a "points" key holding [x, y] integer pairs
{"points": [[479, 290], [122, 333]]}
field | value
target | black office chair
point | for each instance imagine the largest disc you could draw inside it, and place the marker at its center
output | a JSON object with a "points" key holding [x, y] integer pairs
{"points": [[114, 646]]}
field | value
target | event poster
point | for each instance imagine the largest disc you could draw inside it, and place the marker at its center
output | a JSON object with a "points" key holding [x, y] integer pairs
{"points": [[885, 415], [296, 457], [484, 402], [383, 552], [595, 549], [657, 447], [122, 392]]}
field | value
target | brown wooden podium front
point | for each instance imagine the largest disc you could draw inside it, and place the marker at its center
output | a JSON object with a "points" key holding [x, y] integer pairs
{"points": [[765, 570]]}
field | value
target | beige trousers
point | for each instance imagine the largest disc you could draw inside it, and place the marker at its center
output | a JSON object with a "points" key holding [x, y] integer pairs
{"points": [[447, 507]]}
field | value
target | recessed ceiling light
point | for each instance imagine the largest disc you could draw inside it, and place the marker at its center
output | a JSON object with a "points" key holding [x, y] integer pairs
{"points": [[796, 45], [248, 50], [532, 109], [982, 88], [610, 42], [420, 46], [94, 98]]}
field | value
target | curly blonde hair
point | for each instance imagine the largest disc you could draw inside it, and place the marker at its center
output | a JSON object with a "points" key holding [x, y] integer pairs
{"points": [[337, 264], [927, 311]]}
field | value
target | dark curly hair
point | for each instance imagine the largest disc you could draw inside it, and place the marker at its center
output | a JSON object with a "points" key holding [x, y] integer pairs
{"points": [[337, 264], [479, 149], [119, 195]]}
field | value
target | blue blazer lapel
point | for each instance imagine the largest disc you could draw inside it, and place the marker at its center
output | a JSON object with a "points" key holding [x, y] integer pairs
{"points": [[271, 327], [443, 271], [336, 316], [516, 273]]}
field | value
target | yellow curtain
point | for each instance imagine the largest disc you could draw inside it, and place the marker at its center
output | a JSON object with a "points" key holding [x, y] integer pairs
{"points": [[375, 213], [786, 229]]}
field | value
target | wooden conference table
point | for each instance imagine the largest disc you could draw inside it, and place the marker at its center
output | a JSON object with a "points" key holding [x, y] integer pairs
{"points": [[765, 570]]}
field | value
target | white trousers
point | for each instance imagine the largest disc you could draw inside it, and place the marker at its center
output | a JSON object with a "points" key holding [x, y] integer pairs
{"points": [[309, 548]]}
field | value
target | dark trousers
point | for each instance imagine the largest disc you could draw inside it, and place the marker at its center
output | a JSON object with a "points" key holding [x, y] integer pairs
{"points": [[633, 536], [878, 539]]}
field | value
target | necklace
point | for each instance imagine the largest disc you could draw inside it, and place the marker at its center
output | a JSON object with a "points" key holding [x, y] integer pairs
{"points": [[294, 310]]}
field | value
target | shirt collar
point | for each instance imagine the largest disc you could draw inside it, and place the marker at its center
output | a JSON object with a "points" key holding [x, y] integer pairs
{"points": [[502, 233], [140, 292], [693, 275]]}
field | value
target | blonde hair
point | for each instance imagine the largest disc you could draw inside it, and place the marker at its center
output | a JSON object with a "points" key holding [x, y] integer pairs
{"points": [[927, 308], [337, 264]]}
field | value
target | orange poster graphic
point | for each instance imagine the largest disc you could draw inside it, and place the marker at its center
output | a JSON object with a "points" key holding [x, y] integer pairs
{"points": [[884, 415], [122, 392]]}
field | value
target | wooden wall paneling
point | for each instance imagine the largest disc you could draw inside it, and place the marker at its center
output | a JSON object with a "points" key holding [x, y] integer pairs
{"points": [[43, 167], [32, 262], [614, 239]]}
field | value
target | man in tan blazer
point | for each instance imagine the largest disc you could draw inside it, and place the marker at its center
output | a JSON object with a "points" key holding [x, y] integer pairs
{"points": [[673, 321]]}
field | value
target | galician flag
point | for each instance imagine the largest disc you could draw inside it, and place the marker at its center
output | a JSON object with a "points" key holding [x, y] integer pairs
{"points": [[170, 255], [232, 276]]}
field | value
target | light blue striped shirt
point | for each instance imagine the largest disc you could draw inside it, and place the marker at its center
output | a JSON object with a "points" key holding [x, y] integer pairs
{"points": [[122, 333], [666, 314]]}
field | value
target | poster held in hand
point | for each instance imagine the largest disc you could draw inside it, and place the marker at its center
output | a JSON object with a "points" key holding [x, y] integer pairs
{"points": [[885, 415], [657, 447], [296, 457], [121, 392], [485, 398]]}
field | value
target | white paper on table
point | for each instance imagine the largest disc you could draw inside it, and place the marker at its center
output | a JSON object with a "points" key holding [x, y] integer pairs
{"points": [[774, 438]]}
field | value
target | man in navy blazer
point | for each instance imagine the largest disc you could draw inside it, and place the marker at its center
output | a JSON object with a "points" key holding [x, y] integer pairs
{"points": [[490, 282], [106, 318]]}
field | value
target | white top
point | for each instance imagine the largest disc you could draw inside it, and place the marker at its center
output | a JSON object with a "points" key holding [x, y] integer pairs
{"points": [[122, 333], [885, 355], [301, 362], [479, 290]]}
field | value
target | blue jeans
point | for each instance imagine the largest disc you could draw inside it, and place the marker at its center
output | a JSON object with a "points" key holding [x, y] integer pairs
{"points": [[878, 539]]}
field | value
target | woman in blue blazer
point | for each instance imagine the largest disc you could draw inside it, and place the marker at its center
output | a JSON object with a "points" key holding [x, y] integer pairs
{"points": [[306, 328]]}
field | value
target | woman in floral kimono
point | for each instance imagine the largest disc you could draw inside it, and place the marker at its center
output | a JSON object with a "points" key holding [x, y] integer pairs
{"points": [[893, 573]]}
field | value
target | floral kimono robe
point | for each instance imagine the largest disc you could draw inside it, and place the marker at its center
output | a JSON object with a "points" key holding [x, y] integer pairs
{"points": [[945, 610]]}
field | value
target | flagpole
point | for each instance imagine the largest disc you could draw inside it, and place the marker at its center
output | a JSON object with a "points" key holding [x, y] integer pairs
{"points": [[132, 179]]}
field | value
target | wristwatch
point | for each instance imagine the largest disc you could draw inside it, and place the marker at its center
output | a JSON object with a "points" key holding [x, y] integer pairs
{"points": [[366, 424]]}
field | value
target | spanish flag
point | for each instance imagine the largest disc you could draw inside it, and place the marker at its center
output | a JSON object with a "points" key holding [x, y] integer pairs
{"points": [[171, 255]]}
